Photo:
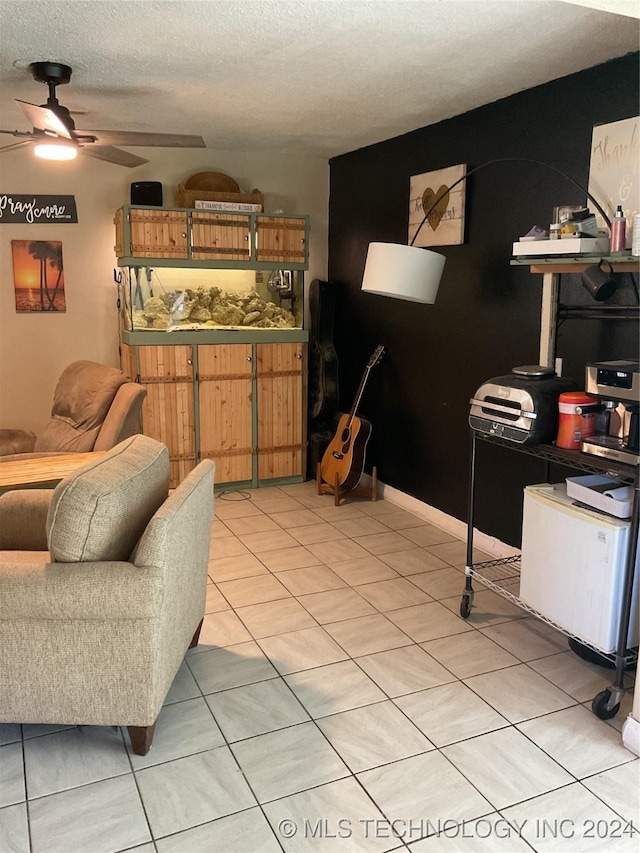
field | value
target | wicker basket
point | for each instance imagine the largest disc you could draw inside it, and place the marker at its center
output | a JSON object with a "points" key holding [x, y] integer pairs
{"points": [[188, 198]]}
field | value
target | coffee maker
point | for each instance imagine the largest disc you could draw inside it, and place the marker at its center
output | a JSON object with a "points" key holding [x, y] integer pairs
{"points": [[617, 383]]}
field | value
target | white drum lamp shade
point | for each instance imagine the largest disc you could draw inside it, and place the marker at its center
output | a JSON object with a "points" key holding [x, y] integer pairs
{"points": [[403, 272]]}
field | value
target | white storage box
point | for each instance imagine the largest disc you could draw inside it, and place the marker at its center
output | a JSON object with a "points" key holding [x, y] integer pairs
{"points": [[570, 246], [573, 567], [611, 495]]}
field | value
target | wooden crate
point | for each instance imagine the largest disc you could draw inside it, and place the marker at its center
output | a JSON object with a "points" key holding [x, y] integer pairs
{"points": [[280, 410], [188, 198], [156, 233], [224, 377], [280, 239], [220, 236]]}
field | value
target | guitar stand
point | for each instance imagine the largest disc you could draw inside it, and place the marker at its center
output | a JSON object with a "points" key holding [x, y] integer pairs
{"points": [[339, 493]]}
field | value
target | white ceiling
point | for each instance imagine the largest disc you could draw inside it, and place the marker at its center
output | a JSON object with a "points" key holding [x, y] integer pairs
{"points": [[312, 77]]}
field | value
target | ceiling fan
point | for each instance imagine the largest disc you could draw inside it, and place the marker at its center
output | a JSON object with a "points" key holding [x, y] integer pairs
{"points": [[54, 135]]}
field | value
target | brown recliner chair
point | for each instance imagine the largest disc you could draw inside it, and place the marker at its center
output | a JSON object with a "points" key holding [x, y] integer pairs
{"points": [[94, 408]]}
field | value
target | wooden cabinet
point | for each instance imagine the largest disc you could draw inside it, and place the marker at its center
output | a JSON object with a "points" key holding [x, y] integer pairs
{"points": [[151, 232], [225, 379], [240, 404], [168, 410], [280, 410], [219, 236], [236, 394], [280, 239], [220, 239]]}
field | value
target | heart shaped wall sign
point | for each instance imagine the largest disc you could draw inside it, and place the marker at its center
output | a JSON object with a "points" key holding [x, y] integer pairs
{"points": [[428, 197]]}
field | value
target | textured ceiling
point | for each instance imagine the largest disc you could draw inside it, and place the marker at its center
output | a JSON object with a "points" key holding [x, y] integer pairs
{"points": [[315, 77]]}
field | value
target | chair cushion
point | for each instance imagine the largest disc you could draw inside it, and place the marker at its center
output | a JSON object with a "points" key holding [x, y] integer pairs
{"points": [[100, 512], [83, 396]]}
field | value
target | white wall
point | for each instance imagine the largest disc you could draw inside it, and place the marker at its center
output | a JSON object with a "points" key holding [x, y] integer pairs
{"points": [[35, 348]]}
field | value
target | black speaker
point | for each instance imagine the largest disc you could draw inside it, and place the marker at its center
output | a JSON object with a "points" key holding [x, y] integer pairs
{"points": [[147, 193]]}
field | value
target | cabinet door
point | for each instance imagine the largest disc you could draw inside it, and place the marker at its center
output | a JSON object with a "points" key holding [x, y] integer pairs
{"points": [[220, 236], [168, 409], [157, 233], [280, 239], [128, 361], [280, 410], [224, 400]]}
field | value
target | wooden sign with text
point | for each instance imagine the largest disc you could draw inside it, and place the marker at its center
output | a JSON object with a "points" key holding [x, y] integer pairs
{"points": [[37, 209], [445, 225]]}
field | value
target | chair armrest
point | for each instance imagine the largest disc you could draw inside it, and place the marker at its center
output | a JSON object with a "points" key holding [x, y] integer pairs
{"points": [[16, 441], [123, 418], [33, 588], [23, 519]]}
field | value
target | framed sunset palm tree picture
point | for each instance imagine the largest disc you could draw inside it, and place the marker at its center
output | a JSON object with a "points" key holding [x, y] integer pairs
{"points": [[38, 276]]}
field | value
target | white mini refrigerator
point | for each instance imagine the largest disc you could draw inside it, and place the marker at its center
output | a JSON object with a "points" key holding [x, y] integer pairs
{"points": [[573, 564]]}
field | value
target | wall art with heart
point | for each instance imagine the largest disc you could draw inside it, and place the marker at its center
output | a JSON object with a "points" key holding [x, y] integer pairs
{"points": [[445, 223]]}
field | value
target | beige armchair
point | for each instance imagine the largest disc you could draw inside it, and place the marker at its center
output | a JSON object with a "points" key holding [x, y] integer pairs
{"points": [[93, 630], [94, 408]]}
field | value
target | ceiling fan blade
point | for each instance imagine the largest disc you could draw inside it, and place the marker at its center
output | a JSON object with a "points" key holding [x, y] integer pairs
{"points": [[24, 133], [15, 145], [113, 155], [43, 118], [153, 140]]}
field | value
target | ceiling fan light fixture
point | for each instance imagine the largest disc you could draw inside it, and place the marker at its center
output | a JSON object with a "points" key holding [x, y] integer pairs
{"points": [[54, 135], [56, 149]]}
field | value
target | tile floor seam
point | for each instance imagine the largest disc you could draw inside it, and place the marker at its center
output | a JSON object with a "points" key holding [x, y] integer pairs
{"points": [[196, 826], [283, 633], [311, 787], [558, 762], [504, 817], [140, 797], [475, 787], [518, 802], [50, 794], [574, 703], [240, 769], [603, 801], [614, 808], [26, 797]]}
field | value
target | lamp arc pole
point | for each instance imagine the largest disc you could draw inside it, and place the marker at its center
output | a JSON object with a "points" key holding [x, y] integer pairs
{"points": [[549, 280], [571, 180]]}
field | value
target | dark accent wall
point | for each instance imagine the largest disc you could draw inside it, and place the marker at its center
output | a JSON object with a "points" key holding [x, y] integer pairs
{"points": [[487, 314]]}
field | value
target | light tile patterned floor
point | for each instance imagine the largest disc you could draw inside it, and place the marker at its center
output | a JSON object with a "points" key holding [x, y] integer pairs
{"points": [[338, 702]]}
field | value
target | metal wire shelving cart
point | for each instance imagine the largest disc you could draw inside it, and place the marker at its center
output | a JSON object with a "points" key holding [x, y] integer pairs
{"points": [[503, 575]]}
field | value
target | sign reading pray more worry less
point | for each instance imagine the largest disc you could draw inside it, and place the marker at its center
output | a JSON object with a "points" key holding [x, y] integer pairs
{"points": [[37, 209], [445, 222]]}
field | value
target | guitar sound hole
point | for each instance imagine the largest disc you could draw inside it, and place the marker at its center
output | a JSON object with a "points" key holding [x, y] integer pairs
{"points": [[344, 438]]}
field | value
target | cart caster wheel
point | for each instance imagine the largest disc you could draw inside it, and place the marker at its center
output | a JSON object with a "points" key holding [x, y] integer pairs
{"points": [[599, 706], [465, 607]]}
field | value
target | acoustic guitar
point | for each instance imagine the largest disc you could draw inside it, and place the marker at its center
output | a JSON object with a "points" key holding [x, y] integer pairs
{"points": [[345, 455]]}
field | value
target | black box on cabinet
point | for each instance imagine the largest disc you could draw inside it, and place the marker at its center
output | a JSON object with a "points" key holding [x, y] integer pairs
{"points": [[147, 193]]}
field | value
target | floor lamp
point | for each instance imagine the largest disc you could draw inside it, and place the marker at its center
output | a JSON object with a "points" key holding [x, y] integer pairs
{"points": [[413, 274]]}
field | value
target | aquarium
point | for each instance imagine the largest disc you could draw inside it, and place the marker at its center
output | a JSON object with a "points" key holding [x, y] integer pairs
{"points": [[168, 298]]}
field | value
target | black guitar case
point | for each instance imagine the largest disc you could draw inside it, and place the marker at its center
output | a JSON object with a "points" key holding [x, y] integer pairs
{"points": [[323, 360], [323, 373]]}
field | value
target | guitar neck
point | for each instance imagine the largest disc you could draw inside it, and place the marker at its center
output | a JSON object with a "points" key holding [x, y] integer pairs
{"points": [[360, 392]]}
